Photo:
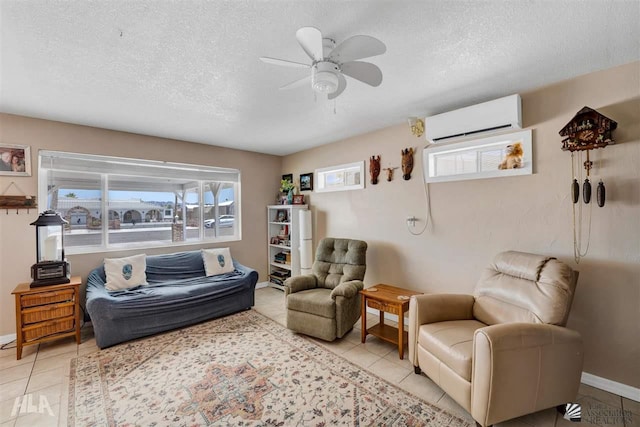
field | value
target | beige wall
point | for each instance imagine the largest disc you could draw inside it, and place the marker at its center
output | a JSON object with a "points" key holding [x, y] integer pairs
{"points": [[260, 180], [473, 220]]}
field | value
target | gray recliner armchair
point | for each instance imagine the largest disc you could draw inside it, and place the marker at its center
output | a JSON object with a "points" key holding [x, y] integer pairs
{"points": [[326, 304], [502, 352]]}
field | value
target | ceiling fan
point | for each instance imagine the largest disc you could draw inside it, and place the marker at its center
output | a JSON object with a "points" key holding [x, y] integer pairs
{"points": [[330, 63]]}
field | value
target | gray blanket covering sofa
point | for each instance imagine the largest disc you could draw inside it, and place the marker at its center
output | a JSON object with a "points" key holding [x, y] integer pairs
{"points": [[178, 294]]}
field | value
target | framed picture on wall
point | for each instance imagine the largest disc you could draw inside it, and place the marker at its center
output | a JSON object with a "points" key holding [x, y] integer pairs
{"points": [[288, 177], [15, 160], [306, 182]]}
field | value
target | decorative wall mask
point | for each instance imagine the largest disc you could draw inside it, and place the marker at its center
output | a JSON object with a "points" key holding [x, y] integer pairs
{"points": [[407, 163], [390, 173], [587, 131], [374, 169]]}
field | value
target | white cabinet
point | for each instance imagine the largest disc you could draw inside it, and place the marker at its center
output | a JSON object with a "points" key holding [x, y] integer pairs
{"points": [[283, 228]]}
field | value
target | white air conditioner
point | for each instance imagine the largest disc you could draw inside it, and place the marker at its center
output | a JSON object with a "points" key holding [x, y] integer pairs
{"points": [[492, 116]]}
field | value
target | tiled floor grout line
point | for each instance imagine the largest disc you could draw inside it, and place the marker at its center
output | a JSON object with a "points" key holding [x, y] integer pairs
{"points": [[33, 365]]}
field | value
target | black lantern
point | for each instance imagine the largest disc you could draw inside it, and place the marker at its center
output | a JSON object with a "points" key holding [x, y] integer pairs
{"points": [[50, 268]]}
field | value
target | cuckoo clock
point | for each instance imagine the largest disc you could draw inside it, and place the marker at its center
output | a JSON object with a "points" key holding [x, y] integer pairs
{"points": [[587, 130]]}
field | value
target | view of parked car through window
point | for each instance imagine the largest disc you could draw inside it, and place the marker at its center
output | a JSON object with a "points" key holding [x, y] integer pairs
{"points": [[225, 221]]}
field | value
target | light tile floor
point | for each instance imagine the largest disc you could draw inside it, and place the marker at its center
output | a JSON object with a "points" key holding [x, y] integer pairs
{"points": [[43, 376]]}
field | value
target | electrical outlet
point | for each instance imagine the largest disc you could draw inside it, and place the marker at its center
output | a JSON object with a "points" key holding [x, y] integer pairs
{"points": [[412, 221]]}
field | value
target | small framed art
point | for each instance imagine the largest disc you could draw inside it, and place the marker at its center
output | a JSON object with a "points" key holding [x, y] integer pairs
{"points": [[298, 199], [306, 182]]}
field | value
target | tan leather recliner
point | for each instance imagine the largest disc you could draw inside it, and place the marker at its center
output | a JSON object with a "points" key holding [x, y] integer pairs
{"points": [[503, 352]]}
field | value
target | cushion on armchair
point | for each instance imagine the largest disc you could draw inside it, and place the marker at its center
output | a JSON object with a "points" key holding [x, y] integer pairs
{"points": [[452, 343], [339, 260], [521, 287], [313, 301]]}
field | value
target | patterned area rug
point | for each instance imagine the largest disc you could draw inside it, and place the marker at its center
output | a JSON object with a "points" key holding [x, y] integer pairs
{"points": [[243, 370]]}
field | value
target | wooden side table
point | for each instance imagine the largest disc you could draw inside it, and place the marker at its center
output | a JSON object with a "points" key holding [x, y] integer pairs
{"points": [[387, 299], [47, 313]]}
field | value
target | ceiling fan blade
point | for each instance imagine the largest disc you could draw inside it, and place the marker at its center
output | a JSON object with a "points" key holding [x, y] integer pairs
{"points": [[366, 72], [342, 84], [310, 39], [283, 62], [297, 83], [357, 47]]}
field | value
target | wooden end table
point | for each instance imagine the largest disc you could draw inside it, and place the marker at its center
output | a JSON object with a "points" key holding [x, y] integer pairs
{"points": [[47, 313], [387, 299]]}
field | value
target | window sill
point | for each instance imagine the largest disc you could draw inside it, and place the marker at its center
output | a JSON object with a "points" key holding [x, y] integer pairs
{"points": [[82, 250]]}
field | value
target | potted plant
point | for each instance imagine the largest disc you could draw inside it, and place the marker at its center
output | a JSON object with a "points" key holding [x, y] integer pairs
{"points": [[287, 187]]}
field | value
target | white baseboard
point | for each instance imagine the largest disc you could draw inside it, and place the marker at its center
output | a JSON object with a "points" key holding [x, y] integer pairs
{"points": [[7, 338], [611, 386], [262, 285], [614, 387]]}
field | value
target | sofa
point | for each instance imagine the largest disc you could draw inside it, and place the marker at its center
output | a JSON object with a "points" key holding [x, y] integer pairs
{"points": [[178, 293]]}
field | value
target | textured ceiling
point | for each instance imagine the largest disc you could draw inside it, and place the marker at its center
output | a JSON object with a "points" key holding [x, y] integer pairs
{"points": [[189, 69]]}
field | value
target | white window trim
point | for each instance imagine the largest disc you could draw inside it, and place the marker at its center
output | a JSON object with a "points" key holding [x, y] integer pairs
{"points": [[149, 168], [322, 174], [475, 145]]}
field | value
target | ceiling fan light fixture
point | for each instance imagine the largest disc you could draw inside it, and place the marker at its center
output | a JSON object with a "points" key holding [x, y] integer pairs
{"points": [[324, 78], [325, 82]]}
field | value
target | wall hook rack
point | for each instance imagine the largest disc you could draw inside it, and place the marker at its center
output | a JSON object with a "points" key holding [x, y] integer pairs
{"points": [[17, 202]]}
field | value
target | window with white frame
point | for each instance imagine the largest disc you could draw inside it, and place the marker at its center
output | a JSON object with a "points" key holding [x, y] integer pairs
{"points": [[479, 158], [115, 203], [340, 177]]}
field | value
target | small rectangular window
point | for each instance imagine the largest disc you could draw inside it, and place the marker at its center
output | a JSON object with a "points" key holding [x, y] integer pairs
{"points": [[341, 177], [116, 203], [496, 156]]}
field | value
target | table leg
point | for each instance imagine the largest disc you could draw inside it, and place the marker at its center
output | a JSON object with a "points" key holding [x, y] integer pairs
{"points": [[401, 332], [363, 319], [18, 329], [77, 305]]}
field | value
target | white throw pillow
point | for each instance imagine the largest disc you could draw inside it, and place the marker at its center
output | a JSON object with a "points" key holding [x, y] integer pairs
{"points": [[217, 261], [125, 273]]}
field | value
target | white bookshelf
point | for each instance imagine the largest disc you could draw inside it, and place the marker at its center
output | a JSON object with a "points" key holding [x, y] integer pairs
{"points": [[283, 241]]}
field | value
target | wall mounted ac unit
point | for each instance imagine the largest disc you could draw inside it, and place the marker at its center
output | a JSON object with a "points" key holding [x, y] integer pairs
{"points": [[492, 116]]}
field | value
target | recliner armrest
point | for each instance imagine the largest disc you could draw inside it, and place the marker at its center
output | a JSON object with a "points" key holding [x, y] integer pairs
{"points": [[347, 289], [530, 365], [299, 283], [432, 308]]}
